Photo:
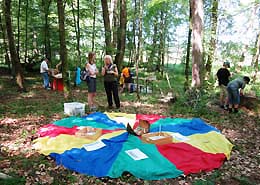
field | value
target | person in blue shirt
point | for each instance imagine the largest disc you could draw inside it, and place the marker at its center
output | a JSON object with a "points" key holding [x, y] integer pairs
{"points": [[235, 89]]}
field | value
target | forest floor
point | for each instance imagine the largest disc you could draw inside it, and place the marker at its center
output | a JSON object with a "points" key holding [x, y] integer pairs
{"points": [[21, 115]]}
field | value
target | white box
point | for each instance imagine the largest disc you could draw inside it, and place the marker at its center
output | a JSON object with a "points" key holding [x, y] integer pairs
{"points": [[74, 108]]}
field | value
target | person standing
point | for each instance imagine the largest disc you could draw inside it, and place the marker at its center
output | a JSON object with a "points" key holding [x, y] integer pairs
{"points": [[223, 75], [44, 70], [110, 73], [235, 90], [93, 71]]}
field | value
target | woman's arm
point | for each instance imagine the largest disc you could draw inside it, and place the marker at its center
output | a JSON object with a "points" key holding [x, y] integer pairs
{"points": [[103, 72]]}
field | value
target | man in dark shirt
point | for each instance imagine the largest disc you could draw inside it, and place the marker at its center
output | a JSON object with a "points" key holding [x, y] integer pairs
{"points": [[223, 75]]}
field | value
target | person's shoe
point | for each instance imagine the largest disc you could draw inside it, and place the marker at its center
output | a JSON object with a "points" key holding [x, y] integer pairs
{"points": [[230, 110], [222, 106], [236, 110], [110, 107], [225, 107]]}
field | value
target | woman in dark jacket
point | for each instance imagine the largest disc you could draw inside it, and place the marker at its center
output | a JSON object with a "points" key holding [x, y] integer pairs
{"points": [[110, 73]]}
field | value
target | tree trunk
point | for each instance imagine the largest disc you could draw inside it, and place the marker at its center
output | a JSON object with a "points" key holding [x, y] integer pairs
{"points": [[256, 56], [18, 29], [114, 22], [107, 27], [63, 49], [212, 47], [76, 27], [121, 34], [78, 35], [187, 61], [133, 58], [94, 26], [154, 43], [47, 46], [7, 58], [139, 46], [13, 52], [26, 31], [197, 35]]}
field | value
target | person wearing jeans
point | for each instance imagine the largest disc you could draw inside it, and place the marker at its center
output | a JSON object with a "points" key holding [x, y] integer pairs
{"points": [[234, 94], [44, 69], [110, 73]]}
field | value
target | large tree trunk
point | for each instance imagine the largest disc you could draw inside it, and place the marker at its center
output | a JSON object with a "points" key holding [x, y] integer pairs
{"points": [[63, 49], [7, 58], [26, 31], [18, 29], [47, 45], [197, 49], [133, 57], [212, 47], [139, 45], [109, 48], [114, 22], [121, 34], [77, 31], [94, 26], [78, 35], [13, 52], [187, 60], [256, 56]]}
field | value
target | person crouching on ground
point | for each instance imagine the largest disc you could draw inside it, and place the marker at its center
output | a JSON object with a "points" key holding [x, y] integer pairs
{"points": [[110, 73], [44, 70], [127, 78], [93, 71], [223, 75], [233, 88]]}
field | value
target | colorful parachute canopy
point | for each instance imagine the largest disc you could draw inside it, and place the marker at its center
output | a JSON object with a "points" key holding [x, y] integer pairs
{"points": [[196, 146]]}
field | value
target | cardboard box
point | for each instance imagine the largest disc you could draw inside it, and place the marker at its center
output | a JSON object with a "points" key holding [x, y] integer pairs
{"points": [[89, 133], [158, 138], [74, 109]]}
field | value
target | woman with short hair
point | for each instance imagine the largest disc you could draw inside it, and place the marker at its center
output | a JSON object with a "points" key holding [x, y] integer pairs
{"points": [[110, 73]]}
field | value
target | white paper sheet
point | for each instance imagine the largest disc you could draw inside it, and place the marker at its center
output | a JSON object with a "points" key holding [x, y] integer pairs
{"points": [[94, 146], [156, 137], [136, 154], [179, 137]]}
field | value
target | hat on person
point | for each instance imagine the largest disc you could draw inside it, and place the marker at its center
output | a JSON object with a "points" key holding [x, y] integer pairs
{"points": [[227, 63]]}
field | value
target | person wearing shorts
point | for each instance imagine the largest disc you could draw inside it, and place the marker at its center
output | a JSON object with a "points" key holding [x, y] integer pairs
{"points": [[93, 71], [235, 90]]}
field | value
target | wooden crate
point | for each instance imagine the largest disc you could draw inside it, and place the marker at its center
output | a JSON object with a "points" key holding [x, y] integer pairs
{"points": [[158, 138], [89, 133]]}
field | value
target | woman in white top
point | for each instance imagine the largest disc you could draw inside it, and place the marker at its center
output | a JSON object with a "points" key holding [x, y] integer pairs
{"points": [[93, 71]]}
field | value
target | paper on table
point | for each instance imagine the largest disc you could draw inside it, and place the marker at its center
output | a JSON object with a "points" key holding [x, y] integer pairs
{"points": [[156, 137], [136, 154], [94, 146], [179, 137]]}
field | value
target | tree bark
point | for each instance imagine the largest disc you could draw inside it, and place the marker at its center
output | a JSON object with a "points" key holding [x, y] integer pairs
{"points": [[13, 52], [26, 31], [18, 29], [78, 35], [139, 46], [114, 22], [187, 60], [7, 58], [94, 26], [121, 34], [63, 49], [109, 48], [197, 49], [255, 61], [47, 45], [212, 47]]}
